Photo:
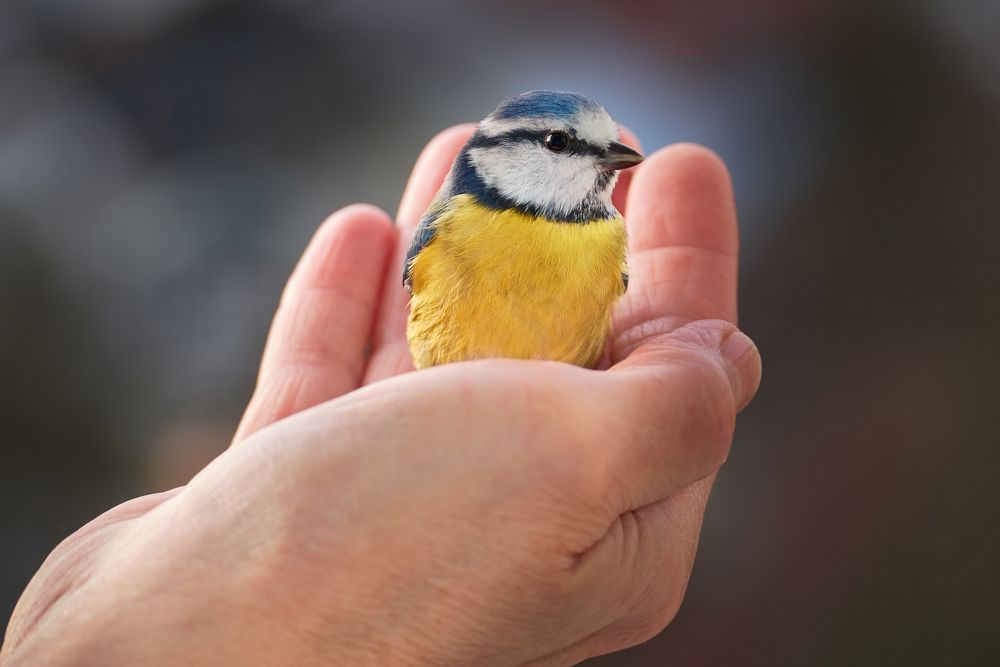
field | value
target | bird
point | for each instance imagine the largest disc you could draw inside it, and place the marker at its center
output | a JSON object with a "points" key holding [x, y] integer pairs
{"points": [[522, 253]]}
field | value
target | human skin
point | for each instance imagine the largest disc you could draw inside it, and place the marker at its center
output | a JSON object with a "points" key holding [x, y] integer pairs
{"points": [[489, 512]]}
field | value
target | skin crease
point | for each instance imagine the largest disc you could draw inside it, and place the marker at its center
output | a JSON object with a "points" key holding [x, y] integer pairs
{"points": [[490, 512]]}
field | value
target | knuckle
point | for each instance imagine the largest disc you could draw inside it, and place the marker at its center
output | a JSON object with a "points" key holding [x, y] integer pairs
{"points": [[702, 334]]}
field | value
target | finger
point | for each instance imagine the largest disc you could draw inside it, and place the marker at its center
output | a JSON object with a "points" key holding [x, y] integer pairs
{"points": [[620, 196], [683, 246], [316, 349], [664, 418], [390, 355]]}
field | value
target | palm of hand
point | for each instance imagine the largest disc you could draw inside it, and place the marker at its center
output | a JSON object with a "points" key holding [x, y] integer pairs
{"points": [[683, 265]]}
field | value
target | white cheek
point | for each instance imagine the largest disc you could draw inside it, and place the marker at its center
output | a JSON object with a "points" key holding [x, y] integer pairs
{"points": [[530, 174]]}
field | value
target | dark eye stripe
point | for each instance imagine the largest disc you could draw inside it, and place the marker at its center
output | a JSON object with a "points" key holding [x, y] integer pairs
{"points": [[575, 146]]}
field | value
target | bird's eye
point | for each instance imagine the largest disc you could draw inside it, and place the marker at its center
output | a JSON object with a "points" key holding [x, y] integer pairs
{"points": [[556, 141]]}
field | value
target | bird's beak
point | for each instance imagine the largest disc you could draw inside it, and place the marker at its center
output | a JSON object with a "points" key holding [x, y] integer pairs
{"points": [[618, 156]]}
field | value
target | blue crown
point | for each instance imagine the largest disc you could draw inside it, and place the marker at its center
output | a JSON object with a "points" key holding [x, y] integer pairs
{"points": [[544, 103]]}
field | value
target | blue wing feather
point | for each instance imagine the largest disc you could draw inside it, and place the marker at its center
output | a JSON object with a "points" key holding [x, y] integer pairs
{"points": [[422, 236]]}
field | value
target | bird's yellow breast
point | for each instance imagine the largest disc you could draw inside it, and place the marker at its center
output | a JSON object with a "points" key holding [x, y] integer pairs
{"points": [[507, 284]]}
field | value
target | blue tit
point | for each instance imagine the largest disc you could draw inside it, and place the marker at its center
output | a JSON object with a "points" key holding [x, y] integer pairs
{"points": [[522, 253]]}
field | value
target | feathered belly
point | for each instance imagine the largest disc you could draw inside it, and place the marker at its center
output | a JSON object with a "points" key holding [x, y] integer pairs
{"points": [[504, 284]]}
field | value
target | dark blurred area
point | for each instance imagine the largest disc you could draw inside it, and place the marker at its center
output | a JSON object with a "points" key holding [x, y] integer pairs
{"points": [[163, 162]]}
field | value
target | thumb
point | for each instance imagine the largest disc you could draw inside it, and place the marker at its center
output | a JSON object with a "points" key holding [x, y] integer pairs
{"points": [[672, 408], [658, 345]]}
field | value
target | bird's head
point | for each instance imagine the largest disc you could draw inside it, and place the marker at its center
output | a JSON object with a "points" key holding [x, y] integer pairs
{"points": [[548, 153]]}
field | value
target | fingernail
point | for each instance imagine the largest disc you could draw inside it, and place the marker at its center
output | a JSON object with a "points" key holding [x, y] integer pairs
{"points": [[735, 346], [743, 375]]}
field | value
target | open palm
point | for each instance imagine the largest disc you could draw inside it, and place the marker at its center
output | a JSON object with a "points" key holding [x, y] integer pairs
{"points": [[342, 319]]}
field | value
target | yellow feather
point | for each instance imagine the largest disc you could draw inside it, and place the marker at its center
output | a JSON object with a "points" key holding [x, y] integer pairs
{"points": [[507, 284]]}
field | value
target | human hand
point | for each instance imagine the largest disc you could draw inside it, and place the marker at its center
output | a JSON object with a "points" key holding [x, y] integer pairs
{"points": [[492, 512]]}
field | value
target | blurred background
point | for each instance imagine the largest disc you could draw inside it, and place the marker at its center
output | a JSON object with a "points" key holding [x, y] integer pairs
{"points": [[163, 163]]}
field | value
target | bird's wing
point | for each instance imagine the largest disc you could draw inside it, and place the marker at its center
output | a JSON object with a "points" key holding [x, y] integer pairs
{"points": [[422, 236], [624, 271]]}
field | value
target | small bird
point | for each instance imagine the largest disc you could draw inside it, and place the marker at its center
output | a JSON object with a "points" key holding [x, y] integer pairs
{"points": [[522, 254]]}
